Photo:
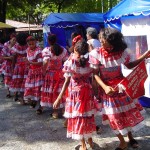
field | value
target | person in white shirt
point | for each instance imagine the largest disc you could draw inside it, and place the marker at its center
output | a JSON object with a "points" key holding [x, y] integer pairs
{"points": [[92, 38]]}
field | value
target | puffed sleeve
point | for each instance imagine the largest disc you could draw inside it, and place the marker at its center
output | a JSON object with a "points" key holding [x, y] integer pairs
{"points": [[45, 54], [67, 67], [65, 56], [93, 59], [39, 55]]}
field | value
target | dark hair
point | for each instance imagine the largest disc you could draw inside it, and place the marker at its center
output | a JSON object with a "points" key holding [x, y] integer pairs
{"points": [[30, 38], [52, 39], [82, 48], [56, 49], [73, 35], [115, 38], [21, 38]]}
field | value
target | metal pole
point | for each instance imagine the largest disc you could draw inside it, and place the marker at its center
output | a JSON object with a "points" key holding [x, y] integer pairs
{"points": [[102, 4], [29, 22]]}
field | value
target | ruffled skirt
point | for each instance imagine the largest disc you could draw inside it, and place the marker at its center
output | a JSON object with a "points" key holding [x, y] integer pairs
{"points": [[122, 113], [79, 110], [19, 77], [51, 88], [33, 84]]}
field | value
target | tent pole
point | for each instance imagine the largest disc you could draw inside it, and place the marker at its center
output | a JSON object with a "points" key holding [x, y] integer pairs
{"points": [[29, 22]]}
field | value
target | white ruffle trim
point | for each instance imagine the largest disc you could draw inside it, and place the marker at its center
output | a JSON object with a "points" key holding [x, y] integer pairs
{"points": [[67, 74], [19, 76], [50, 105], [94, 66], [126, 130], [16, 89], [50, 90], [37, 84], [77, 114], [31, 97], [113, 110], [79, 136]]}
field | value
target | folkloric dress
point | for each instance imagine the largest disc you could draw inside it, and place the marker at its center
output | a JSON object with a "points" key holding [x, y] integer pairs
{"points": [[54, 78], [80, 107], [2, 63], [34, 80], [7, 64], [20, 70], [122, 113]]}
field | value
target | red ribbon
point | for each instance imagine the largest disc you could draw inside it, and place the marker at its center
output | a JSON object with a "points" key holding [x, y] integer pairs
{"points": [[76, 39]]}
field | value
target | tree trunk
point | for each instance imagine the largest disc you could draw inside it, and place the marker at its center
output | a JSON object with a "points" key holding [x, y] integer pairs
{"points": [[3, 5], [60, 5]]}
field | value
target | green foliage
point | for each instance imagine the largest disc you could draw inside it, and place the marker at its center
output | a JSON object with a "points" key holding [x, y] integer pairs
{"points": [[37, 10], [91, 6]]}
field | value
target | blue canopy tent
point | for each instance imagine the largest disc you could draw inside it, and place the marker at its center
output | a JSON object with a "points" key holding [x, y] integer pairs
{"points": [[63, 24], [132, 18], [126, 9]]}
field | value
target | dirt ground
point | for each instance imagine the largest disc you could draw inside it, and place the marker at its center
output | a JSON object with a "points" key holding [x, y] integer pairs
{"points": [[22, 129]]}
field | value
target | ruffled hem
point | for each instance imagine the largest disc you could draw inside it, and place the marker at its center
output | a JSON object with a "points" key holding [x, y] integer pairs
{"points": [[32, 98], [94, 66], [50, 90], [34, 85], [50, 105], [17, 89], [77, 114], [121, 109], [79, 137], [126, 130]]}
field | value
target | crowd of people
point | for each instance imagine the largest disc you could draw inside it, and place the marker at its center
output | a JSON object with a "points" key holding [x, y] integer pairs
{"points": [[80, 80]]}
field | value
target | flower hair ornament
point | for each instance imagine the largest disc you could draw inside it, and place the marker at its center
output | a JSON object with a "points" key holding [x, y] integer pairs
{"points": [[76, 39], [85, 56]]}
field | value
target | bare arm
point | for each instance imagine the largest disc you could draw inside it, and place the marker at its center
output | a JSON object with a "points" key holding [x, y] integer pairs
{"points": [[108, 89], [7, 57], [136, 62], [36, 63], [65, 86], [45, 64]]}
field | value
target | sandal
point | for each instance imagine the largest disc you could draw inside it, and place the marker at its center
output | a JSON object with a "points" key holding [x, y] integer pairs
{"points": [[65, 124], [98, 130], [118, 148], [134, 143], [33, 105], [39, 111], [78, 147], [55, 115], [16, 99], [22, 102], [8, 96]]}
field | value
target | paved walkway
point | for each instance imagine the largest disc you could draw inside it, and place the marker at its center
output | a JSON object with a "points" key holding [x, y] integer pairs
{"points": [[22, 129]]}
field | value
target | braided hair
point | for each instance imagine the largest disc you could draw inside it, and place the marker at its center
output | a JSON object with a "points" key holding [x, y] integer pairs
{"points": [[82, 48]]}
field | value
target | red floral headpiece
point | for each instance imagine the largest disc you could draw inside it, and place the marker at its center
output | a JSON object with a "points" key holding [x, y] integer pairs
{"points": [[76, 39], [30, 38], [13, 35]]}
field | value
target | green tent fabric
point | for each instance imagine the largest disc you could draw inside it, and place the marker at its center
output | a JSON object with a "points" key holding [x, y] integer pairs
{"points": [[5, 26]]}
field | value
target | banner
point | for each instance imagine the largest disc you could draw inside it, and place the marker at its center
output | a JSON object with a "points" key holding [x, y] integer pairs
{"points": [[133, 84]]}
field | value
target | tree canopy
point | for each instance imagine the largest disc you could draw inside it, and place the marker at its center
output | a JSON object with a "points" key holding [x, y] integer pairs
{"points": [[35, 11]]}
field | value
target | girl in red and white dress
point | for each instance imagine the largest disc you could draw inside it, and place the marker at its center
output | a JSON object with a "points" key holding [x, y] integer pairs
{"points": [[7, 65], [122, 113], [34, 79], [80, 107], [1, 60], [20, 66], [53, 58]]}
